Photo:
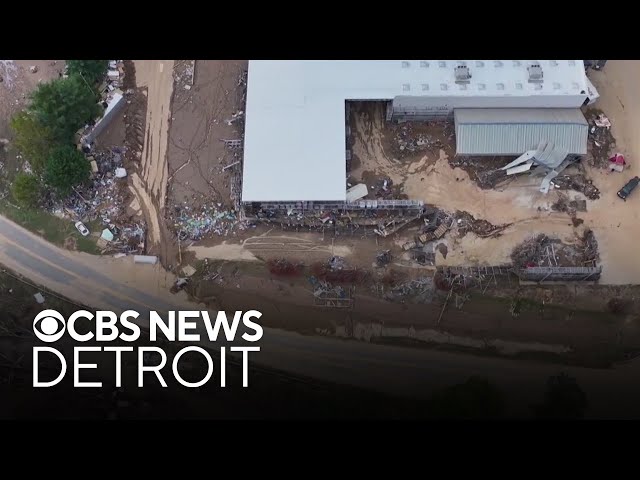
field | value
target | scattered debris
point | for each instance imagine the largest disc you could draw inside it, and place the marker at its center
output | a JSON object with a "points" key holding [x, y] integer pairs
{"points": [[601, 140], [383, 258], [120, 173], [179, 284], [543, 251], [195, 225], [590, 248], [409, 140], [486, 172], [442, 248], [107, 235], [563, 204], [188, 271], [33, 69], [482, 228], [420, 290], [602, 121], [579, 183]]}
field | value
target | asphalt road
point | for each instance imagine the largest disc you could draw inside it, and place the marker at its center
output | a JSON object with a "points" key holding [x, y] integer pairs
{"points": [[119, 284]]}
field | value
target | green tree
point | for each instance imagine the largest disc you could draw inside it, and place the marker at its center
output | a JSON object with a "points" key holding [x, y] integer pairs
{"points": [[93, 71], [26, 189], [64, 105], [474, 399], [66, 168], [564, 399], [32, 139]]}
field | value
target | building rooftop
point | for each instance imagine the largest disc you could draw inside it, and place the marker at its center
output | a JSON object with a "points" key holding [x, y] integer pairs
{"points": [[294, 146]]}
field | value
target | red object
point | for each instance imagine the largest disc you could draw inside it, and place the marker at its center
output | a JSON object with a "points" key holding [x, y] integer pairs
{"points": [[618, 159]]}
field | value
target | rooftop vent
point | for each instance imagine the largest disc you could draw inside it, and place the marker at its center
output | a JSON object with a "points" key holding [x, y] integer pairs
{"points": [[442, 64], [535, 73], [463, 75], [518, 86], [406, 87], [425, 86], [516, 63], [500, 86], [424, 64], [405, 64], [443, 86], [482, 86], [479, 63], [497, 63]]}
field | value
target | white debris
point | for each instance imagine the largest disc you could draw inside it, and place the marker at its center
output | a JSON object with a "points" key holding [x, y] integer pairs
{"points": [[602, 121], [39, 298], [121, 173]]}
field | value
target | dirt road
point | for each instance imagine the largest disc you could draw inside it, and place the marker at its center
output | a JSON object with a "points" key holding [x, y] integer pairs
{"points": [[151, 186]]}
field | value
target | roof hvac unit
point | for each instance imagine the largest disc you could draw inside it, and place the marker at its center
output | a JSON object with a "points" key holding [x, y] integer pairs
{"points": [[535, 73], [463, 75]]}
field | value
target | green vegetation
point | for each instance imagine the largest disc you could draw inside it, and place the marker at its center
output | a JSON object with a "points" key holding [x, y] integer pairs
{"points": [[66, 167], [91, 70], [32, 138], [64, 105], [50, 227], [26, 189]]}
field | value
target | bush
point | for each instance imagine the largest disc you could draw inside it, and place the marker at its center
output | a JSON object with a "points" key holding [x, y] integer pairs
{"points": [[66, 168], [63, 106], [26, 189], [92, 71], [32, 139]]}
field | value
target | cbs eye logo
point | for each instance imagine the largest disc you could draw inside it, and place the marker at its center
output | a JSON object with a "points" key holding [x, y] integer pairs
{"points": [[49, 326]]}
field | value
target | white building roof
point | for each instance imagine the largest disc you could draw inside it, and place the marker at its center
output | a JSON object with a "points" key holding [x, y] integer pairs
{"points": [[294, 145]]}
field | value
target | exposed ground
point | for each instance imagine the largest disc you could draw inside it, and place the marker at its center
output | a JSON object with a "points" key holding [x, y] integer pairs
{"points": [[149, 184]]}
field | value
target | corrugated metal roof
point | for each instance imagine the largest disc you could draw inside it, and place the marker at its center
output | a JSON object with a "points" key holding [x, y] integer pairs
{"points": [[514, 131]]}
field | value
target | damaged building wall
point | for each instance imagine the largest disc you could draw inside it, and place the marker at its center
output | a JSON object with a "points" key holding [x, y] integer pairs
{"points": [[115, 105]]}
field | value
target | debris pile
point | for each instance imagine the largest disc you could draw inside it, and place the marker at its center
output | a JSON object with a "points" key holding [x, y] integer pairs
{"points": [[420, 290], [486, 172], [482, 228], [572, 207], [285, 268], [601, 140], [194, 224], [430, 136], [543, 251], [383, 258], [529, 252], [590, 254], [327, 295], [337, 271], [579, 183]]}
